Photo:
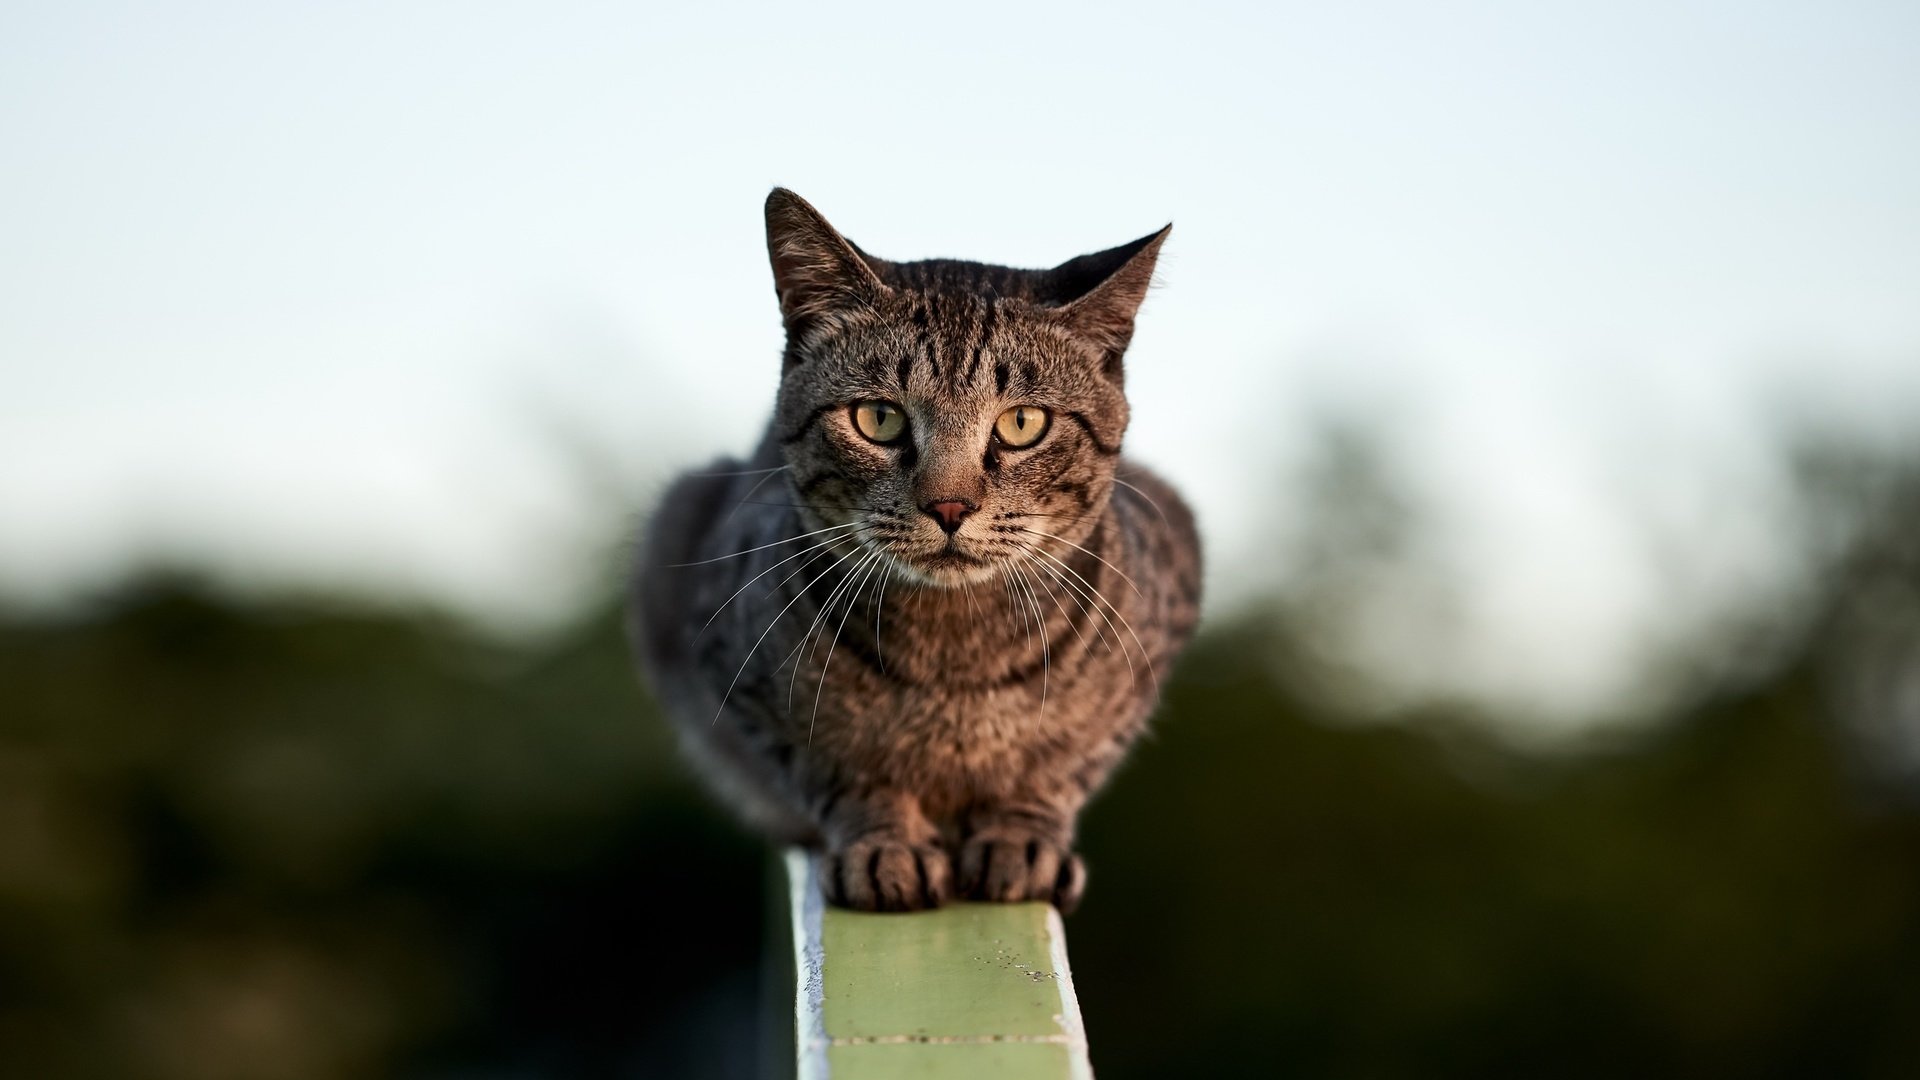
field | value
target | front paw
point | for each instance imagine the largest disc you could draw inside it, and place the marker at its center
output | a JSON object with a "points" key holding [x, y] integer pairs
{"points": [[1012, 865], [885, 873]]}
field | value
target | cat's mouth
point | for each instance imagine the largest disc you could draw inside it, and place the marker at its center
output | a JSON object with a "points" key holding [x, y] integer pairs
{"points": [[951, 556], [947, 566]]}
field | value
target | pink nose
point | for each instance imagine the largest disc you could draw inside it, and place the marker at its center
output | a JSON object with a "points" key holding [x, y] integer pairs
{"points": [[949, 512]]}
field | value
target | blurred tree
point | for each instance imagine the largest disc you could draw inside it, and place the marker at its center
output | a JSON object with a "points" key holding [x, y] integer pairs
{"points": [[256, 839]]}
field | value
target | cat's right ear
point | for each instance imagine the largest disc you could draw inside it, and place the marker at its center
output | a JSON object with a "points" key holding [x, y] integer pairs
{"points": [[1103, 292], [816, 271]]}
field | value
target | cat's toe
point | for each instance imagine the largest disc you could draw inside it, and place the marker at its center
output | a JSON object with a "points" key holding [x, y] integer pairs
{"points": [[1011, 867], [888, 874]]}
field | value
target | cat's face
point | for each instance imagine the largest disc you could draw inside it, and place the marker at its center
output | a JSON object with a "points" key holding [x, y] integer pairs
{"points": [[953, 417], [956, 429]]}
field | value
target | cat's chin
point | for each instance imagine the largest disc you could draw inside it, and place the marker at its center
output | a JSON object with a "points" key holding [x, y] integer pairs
{"points": [[946, 569]]}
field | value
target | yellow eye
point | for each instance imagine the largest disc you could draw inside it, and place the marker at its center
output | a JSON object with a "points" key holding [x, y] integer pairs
{"points": [[881, 421], [1021, 425]]}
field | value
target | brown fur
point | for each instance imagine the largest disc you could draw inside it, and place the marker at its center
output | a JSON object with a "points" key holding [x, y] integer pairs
{"points": [[931, 710]]}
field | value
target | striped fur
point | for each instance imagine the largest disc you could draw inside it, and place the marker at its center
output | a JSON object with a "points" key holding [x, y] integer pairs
{"points": [[931, 711]]}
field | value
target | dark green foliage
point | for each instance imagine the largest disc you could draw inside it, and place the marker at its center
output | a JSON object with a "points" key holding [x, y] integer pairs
{"points": [[250, 840], [1715, 902]]}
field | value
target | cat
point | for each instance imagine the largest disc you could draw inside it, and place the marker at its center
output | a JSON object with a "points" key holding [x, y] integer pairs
{"points": [[918, 628]]}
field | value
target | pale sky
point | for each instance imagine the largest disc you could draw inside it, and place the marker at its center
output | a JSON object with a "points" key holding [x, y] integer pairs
{"points": [[305, 291]]}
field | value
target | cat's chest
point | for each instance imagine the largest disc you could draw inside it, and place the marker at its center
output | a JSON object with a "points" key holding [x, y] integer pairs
{"points": [[964, 708], [950, 744]]}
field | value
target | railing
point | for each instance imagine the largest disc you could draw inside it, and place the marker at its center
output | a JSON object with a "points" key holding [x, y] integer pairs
{"points": [[971, 991]]}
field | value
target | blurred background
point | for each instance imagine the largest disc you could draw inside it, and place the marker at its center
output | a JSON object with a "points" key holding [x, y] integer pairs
{"points": [[1546, 378]]}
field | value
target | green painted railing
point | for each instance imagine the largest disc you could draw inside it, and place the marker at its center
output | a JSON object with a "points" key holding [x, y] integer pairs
{"points": [[969, 992]]}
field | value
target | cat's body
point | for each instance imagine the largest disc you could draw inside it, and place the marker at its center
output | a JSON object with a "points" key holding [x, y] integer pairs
{"points": [[909, 630]]}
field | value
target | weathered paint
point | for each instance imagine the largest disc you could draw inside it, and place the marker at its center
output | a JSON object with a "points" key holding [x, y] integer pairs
{"points": [[970, 990]]}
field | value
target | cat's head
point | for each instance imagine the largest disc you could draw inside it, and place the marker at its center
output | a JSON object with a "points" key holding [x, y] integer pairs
{"points": [[956, 416]]}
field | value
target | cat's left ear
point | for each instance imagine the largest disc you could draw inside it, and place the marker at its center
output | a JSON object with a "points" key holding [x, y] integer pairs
{"points": [[1104, 292], [816, 271]]}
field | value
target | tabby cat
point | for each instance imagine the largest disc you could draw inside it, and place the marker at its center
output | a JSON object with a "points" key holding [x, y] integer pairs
{"points": [[920, 626]]}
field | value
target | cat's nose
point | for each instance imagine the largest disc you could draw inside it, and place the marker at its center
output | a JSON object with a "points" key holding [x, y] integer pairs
{"points": [[949, 512]]}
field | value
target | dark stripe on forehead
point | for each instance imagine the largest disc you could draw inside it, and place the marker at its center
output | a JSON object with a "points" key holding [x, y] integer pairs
{"points": [[1092, 436], [923, 317], [1000, 373], [986, 331], [921, 339]]}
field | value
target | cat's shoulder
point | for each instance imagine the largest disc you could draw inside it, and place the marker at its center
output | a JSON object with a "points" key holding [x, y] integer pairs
{"points": [[675, 534], [687, 509], [1153, 502], [1164, 534]]}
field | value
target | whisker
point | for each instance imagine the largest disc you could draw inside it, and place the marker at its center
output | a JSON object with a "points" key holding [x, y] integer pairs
{"points": [[763, 547], [1061, 608], [818, 506], [1144, 495], [827, 543], [856, 579], [757, 485], [844, 588], [1144, 655], [1007, 580], [1133, 674], [817, 624], [1102, 628], [798, 593], [743, 472], [1011, 515], [886, 575], [1046, 656], [1081, 588], [853, 601], [775, 587], [1103, 562], [819, 619]]}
